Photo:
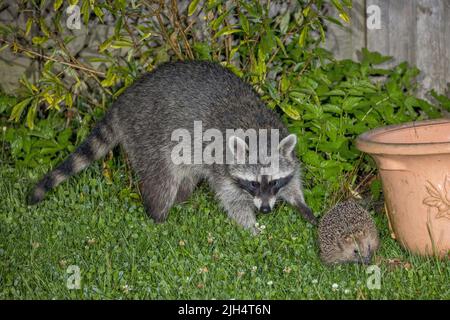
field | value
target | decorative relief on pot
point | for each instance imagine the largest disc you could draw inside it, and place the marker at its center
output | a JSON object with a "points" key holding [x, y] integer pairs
{"points": [[439, 197]]}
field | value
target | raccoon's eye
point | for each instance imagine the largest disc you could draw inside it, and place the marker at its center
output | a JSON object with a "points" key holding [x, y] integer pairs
{"points": [[250, 186], [280, 183], [274, 183], [254, 184]]}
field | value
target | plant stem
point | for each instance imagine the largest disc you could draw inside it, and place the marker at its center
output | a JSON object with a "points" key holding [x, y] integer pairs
{"points": [[39, 55]]}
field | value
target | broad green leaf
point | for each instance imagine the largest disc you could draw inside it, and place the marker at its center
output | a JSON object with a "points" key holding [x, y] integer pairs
{"points": [[302, 37], [281, 45], [57, 4], [284, 23], [226, 31], [335, 92], [28, 26], [192, 7], [306, 11], [44, 27], [85, 11], [290, 111], [4, 47], [244, 23], [268, 42], [31, 115], [99, 13], [118, 26], [344, 16], [284, 83], [411, 102], [217, 22], [350, 102], [337, 5], [123, 43], [203, 50], [110, 79], [331, 108], [105, 45], [39, 40], [18, 109], [312, 158], [322, 32], [69, 100], [64, 136]]}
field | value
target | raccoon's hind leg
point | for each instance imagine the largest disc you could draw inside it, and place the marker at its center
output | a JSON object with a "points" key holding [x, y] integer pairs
{"points": [[160, 188], [293, 195], [185, 189]]}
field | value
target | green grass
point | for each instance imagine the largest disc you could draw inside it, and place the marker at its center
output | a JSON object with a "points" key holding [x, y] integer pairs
{"points": [[197, 253]]}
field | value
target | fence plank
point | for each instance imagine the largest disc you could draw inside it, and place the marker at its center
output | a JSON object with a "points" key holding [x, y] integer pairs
{"points": [[446, 58], [378, 39], [396, 37], [432, 47], [345, 42], [417, 31]]}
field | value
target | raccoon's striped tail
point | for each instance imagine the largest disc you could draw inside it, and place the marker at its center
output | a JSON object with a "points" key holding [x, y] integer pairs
{"points": [[97, 144]]}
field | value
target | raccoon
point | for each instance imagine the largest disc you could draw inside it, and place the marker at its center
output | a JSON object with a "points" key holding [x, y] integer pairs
{"points": [[173, 96]]}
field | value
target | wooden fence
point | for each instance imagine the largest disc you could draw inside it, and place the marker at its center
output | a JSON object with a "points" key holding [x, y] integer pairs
{"points": [[417, 31]]}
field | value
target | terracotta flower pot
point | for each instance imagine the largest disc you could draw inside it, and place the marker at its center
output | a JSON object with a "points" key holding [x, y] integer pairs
{"points": [[414, 164]]}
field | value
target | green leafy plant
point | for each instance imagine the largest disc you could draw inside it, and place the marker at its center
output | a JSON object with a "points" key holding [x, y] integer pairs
{"points": [[239, 34], [331, 104], [326, 102], [46, 144]]}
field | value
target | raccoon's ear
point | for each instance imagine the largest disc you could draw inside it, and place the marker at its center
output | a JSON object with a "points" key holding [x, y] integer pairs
{"points": [[238, 148], [287, 145]]}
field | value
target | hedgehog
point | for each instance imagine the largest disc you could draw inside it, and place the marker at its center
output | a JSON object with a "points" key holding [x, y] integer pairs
{"points": [[347, 234]]}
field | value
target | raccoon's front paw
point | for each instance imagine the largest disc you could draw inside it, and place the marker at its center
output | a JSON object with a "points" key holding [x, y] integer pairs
{"points": [[308, 214], [255, 230]]}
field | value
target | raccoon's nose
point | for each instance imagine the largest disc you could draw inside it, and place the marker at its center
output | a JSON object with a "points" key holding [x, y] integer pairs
{"points": [[265, 209]]}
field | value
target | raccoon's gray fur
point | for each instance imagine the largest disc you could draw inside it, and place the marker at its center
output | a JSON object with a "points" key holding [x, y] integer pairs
{"points": [[173, 96], [347, 233]]}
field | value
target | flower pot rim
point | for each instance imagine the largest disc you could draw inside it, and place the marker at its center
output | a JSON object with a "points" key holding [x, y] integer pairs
{"points": [[366, 143]]}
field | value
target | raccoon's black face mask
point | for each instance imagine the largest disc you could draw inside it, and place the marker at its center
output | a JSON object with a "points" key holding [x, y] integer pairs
{"points": [[264, 191], [262, 182]]}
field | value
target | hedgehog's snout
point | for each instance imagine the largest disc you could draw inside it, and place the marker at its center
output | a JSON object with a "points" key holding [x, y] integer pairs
{"points": [[367, 259]]}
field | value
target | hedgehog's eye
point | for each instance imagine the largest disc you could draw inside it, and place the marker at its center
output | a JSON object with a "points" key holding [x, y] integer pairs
{"points": [[356, 252]]}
